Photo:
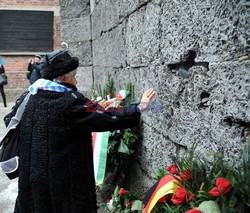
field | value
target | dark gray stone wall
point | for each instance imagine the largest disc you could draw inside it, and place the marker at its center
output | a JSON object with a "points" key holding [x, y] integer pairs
{"points": [[135, 40], [76, 31]]}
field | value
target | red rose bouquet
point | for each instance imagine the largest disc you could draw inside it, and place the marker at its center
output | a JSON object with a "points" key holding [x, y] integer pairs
{"points": [[204, 186]]}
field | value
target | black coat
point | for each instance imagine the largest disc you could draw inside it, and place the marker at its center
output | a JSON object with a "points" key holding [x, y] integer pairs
{"points": [[2, 70], [34, 72], [56, 163]]}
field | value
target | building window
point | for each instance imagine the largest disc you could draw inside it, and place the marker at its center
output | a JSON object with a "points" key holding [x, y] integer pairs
{"points": [[26, 31]]}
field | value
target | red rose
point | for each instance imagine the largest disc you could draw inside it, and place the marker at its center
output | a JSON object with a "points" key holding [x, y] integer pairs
{"points": [[163, 199], [129, 204], [193, 211], [190, 196], [108, 201], [172, 169], [180, 196], [122, 191], [215, 192], [186, 175], [223, 186]]}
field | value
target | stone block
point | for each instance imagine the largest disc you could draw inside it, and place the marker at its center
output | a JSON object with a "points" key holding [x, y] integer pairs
{"points": [[108, 14], [151, 154], [109, 50], [92, 5], [138, 180], [101, 75], [142, 36], [74, 8], [97, 1], [216, 126], [83, 51], [104, 17], [85, 80], [215, 29], [76, 30]]}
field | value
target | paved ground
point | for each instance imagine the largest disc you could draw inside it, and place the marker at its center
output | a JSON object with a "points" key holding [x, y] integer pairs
{"points": [[8, 188]]}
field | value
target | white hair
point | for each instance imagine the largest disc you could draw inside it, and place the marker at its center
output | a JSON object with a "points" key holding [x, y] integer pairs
{"points": [[69, 74]]}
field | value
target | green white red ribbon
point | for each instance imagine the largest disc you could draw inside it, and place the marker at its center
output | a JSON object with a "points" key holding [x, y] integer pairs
{"points": [[100, 145], [100, 139]]}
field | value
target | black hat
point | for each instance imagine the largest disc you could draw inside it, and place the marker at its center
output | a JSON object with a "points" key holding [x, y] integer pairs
{"points": [[58, 63]]}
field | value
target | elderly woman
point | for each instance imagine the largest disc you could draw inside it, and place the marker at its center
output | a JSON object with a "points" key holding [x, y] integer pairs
{"points": [[56, 163]]}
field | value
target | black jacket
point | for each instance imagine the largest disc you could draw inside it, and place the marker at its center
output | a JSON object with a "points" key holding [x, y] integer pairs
{"points": [[56, 163], [34, 72], [2, 70]]}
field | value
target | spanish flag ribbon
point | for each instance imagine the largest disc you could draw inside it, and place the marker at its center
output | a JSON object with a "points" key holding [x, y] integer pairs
{"points": [[167, 185]]}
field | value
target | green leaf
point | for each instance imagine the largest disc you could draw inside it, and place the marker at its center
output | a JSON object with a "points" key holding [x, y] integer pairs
{"points": [[219, 174], [137, 205], [230, 177], [116, 192], [123, 148], [202, 195], [161, 173], [246, 157], [208, 185], [209, 207]]}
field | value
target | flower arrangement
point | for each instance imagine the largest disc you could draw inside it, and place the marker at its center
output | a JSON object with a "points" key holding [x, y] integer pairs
{"points": [[206, 187], [198, 186], [123, 201], [121, 142]]}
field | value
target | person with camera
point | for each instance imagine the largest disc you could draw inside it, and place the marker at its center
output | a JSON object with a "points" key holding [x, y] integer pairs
{"points": [[34, 68], [2, 83]]}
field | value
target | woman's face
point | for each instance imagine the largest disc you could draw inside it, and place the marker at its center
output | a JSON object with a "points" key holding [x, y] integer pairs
{"points": [[70, 79]]}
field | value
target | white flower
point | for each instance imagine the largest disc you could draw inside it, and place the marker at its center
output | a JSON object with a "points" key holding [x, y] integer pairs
{"points": [[110, 205], [99, 98]]}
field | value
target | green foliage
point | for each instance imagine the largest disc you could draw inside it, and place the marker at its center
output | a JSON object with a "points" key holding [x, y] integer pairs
{"points": [[124, 203], [137, 205], [209, 207], [131, 97], [167, 208], [204, 176], [109, 88], [246, 157], [122, 142], [120, 148], [161, 173]]}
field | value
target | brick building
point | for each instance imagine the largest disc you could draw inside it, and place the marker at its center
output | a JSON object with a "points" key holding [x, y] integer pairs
{"points": [[26, 28]]}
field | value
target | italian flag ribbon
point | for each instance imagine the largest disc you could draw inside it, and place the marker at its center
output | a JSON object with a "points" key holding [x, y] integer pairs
{"points": [[100, 139], [114, 102], [100, 145]]}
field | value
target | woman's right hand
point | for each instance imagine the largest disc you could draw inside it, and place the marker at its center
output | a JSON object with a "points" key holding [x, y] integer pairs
{"points": [[146, 99]]}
